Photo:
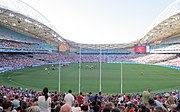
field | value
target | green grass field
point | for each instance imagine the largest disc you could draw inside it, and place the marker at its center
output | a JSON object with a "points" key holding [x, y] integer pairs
{"points": [[136, 78]]}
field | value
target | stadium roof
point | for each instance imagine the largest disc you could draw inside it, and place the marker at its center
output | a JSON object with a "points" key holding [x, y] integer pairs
{"points": [[166, 25], [22, 18], [99, 46]]}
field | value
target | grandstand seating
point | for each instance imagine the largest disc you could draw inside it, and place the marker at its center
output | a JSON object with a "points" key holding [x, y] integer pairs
{"points": [[8, 34], [168, 48], [16, 42], [153, 58], [97, 51], [157, 46], [173, 62], [171, 40], [17, 61]]}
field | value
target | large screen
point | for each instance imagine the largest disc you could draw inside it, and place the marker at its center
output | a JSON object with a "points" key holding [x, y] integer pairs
{"points": [[63, 47], [140, 48]]}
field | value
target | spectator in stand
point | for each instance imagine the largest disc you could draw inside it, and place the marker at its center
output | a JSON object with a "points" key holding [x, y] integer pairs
{"points": [[155, 103], [158, 109], [69, 98], [75, 107], [115, 110], [7, 106], [177, 108], [86, 99], [110, 105], [143, 108], [53, 105], [23, 107], [80, 99], [100, 97], [106, 109], [91, 97], [171, 103], [96, 104], [129, 107], [84, 108], [146, 96], [66, 108], [44, 101], [16, 102], [58, 108], [34, 109]]}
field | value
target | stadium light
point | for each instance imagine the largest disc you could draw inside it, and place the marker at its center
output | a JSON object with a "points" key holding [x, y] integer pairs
{"points": [[173, 20], [1, 11], [177, 18], [151, 34], [5, 21], [38, 25], [14, 24], [11, 15], [26, 29], [28, 21], [166, 23], [54, 35]]}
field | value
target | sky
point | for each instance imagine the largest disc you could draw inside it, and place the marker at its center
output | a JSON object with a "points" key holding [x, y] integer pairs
{"points": [[101, 21]]}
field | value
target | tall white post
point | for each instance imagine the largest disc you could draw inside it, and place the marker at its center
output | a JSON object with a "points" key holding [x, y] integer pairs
{"points": [[121, 80], [100, 70], [80, 69], [59, 85]]}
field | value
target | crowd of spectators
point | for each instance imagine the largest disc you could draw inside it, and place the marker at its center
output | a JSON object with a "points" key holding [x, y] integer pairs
{"points": [[59, 57], [73, 57], [153, 58], [21, 38], [18, 42], [19, 100], [173, 62], [171, 40], [173, 48], [16, 61], [140, 58], [14, 45]]}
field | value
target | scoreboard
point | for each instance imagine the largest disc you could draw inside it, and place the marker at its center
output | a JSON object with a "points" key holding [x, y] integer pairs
{"points": [[141, 48]]}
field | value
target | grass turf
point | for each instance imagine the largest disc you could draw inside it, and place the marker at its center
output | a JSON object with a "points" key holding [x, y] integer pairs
{"points": [[136, 78]]}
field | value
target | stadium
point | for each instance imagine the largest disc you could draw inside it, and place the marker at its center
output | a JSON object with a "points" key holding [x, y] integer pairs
{"points": [[34, 55]]}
